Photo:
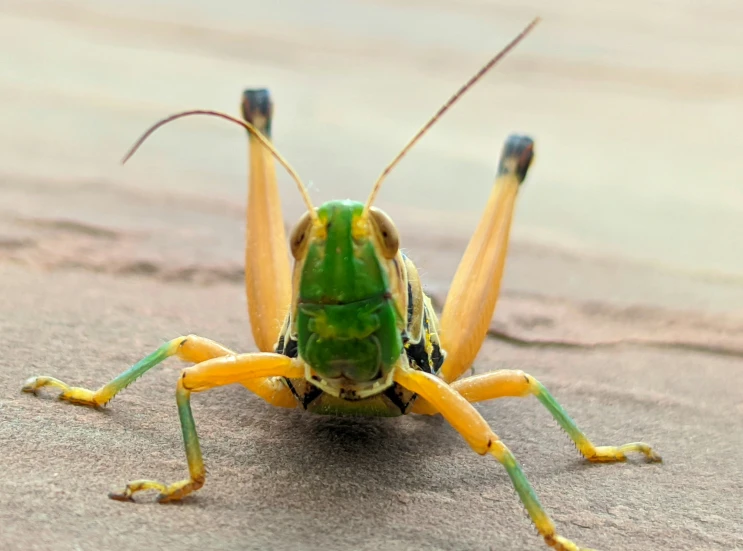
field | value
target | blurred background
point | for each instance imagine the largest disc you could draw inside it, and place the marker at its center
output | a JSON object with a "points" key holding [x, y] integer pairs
{"points": [[636, 108], [623, 290]]}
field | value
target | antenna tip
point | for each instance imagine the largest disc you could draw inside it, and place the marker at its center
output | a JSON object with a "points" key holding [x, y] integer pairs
{"points": [[534, 22], [516, 156], [257, 109]]}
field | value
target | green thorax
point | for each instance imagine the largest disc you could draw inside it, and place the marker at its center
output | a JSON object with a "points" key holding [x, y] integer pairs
{"points": [[346, 319]]}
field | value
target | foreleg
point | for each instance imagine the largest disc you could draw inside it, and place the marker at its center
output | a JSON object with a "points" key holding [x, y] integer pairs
{"points": [[473, 428], [221, 371]]}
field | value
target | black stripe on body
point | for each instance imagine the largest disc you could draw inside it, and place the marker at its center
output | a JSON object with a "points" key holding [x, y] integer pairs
{"points": [[396, 395], [291, 350], [418, 355]]}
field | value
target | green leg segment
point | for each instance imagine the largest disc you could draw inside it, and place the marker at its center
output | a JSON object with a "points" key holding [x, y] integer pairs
{"points": [[539, 517], [196, 468]]}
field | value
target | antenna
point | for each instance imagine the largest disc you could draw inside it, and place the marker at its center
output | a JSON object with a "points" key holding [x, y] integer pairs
{"points": [[444, 108], [247, 126]]}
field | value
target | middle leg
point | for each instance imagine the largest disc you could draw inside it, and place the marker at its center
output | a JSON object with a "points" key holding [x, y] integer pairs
{"points": [[517, 384]]}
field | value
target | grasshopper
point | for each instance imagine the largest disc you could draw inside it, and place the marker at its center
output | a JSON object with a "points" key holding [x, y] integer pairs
{"points": [[348, 330]]}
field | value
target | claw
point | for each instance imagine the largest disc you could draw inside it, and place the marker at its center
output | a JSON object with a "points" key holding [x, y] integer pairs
{"points": [[174, 492], [75, 395], [610, 454], [137, 486], [650, 454], [31, 385]]}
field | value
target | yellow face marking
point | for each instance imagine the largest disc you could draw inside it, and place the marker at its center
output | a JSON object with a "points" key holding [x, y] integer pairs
{"points": [[360, 227], [320, 227]]}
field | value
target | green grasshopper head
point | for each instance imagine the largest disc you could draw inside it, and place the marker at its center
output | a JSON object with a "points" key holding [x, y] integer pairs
{"points": [[341, 252], [350, 297]]}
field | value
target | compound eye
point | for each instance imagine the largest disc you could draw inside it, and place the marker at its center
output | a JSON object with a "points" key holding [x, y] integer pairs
{"points": [[386, 232], [300, 235]]}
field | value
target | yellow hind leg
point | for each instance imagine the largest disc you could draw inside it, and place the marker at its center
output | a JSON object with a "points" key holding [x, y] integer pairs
{"points": [[474, 291], [267, 268]]}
